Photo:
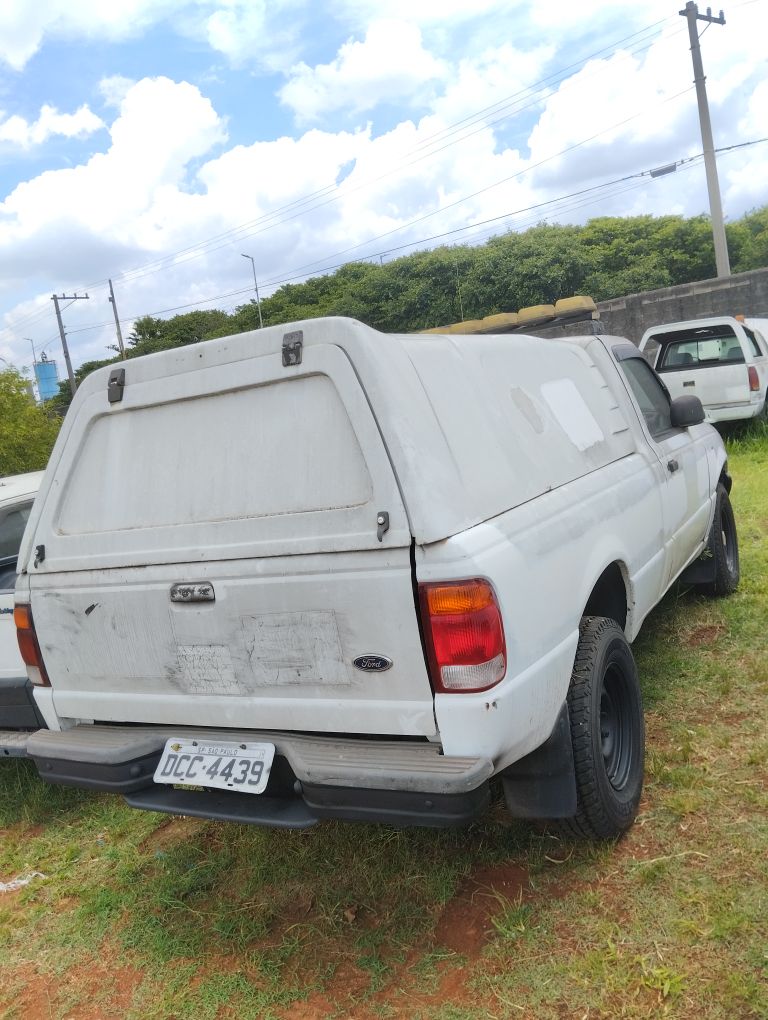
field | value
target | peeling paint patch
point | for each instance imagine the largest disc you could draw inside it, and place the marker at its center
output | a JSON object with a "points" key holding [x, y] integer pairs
{"points": [[207, 669], [527, 408], [572, 413], [295, 648]]}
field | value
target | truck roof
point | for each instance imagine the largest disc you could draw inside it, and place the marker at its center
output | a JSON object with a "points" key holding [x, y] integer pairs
{"points": [[14, 487], [714, 320]]}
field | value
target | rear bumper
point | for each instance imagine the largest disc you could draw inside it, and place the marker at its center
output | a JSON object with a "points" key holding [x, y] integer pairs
{"points": [[736, 412], [396, 782]]}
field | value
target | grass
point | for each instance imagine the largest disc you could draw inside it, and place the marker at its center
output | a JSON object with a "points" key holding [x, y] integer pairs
{"points": [[140, 915]]}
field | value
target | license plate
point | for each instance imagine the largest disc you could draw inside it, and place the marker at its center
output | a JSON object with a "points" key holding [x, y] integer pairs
{"points": [[221, 765]]}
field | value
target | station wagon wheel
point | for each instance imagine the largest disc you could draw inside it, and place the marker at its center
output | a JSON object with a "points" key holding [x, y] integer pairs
{"points": [[723, 546], [607, 732]]}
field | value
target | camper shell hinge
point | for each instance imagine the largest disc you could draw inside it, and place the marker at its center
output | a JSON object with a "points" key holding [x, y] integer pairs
{"points": [[116, 385], [292, 347]]}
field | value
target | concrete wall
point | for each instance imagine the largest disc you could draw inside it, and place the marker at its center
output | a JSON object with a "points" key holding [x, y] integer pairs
{"points": [[741, 294]]}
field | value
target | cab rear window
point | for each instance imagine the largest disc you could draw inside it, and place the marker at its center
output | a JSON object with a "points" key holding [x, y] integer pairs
{"points": [[702, 348]]}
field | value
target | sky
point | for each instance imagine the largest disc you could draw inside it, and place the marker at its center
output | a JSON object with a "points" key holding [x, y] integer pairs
{"points": [[154, 142]]}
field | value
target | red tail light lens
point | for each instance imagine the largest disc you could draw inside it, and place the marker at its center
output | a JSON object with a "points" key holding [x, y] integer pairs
{"points": [[464, 635], [754, 379], [28, 645]]}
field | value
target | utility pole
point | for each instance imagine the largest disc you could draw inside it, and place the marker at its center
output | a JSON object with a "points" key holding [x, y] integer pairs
{"points": [[691, 13], [256, 288], [34, 362], [63, 297], [117, 321]]}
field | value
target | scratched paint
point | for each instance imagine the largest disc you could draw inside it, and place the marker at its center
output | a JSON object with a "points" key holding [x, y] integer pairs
{"points": [[295, 648], [207, 669]]}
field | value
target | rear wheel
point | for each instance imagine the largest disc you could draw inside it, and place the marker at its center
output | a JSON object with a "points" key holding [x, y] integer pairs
{"points": [[607, 732], [724, 547]]}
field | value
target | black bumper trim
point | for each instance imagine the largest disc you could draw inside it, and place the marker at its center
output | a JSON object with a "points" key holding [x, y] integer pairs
{"points": [[396, 807], [253, 809], [125, 777], [18, 710]]}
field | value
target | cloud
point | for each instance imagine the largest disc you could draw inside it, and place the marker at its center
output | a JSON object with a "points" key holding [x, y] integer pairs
{"points": [[161, 127], [388, 66], [25, 134], [114, 89], [24, 26], [240, 29]]}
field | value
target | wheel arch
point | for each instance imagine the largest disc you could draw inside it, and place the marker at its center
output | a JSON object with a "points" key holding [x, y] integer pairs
{"points": [[610, 594]]}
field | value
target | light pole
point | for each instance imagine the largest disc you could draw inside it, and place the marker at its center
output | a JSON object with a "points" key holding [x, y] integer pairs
{"points": [[256, 288]]}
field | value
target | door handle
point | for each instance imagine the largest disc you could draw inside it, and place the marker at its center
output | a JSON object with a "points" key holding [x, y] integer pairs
{"points": [[672, 466]]}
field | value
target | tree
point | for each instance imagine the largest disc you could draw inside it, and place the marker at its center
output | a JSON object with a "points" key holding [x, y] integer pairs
{"points": [[27, 433]]}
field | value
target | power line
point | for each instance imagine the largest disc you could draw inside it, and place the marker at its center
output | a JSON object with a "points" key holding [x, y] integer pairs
{"points": [[565, 202]]}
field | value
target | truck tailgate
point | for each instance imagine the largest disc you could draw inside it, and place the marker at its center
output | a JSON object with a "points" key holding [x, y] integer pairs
{"points": [[275, 649]]}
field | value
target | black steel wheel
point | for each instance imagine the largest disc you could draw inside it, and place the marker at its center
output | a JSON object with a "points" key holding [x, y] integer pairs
{"points": [[724, 548], [607, 731]]}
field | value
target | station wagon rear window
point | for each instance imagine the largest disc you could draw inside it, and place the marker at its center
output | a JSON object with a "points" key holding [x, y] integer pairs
{"points": [[281, 448], [706, 347]]}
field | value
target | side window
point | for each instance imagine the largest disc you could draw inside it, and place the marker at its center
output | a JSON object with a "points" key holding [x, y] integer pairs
{"points": [[752, 342], [12, 524], [650, 395]]}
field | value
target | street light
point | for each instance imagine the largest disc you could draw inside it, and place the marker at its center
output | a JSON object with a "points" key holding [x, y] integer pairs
{"points": [[256, 288]]}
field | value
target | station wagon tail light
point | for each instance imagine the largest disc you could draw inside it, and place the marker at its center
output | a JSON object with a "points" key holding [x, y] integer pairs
{"points": [[28, 645], [464, 635], [754, 380]]}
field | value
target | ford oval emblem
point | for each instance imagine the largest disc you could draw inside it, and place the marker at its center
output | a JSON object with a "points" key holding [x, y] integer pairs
{"points": [[372, 663]]}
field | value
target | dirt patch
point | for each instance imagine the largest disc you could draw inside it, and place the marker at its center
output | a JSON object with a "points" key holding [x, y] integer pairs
{"points": [[348, 985], [707, 635], [465, 922], [169, 833], [105, 990]]}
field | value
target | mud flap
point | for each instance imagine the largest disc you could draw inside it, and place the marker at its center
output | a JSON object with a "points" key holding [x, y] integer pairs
{"points": [[543, 784]]}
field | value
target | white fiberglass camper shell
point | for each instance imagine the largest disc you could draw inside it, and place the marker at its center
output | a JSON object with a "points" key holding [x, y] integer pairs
{"points": [[317, 571]]}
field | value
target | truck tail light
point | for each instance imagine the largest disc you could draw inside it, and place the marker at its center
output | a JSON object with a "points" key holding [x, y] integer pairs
{"points": [[464, 635], [754, 379], [28, 645]]}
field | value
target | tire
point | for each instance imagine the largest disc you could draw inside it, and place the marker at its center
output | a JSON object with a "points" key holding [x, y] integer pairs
{"points": [[724, 546], [607, 732]]}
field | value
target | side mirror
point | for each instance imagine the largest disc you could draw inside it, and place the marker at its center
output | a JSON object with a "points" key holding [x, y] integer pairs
{"points": [[686, 411]]}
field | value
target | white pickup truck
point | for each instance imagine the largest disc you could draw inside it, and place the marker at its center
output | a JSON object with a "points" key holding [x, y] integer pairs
{"points": [[723, 361], [316, 571]]}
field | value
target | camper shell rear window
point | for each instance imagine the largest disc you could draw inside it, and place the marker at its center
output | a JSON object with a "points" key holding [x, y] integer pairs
{"points": [[279, 449]]}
